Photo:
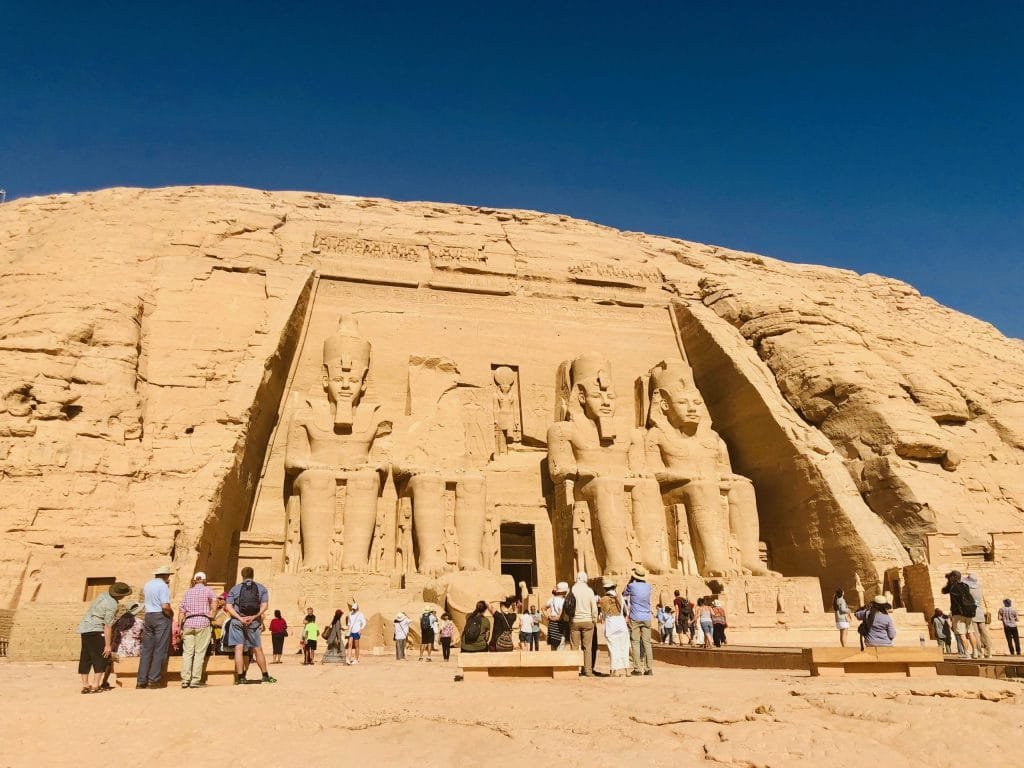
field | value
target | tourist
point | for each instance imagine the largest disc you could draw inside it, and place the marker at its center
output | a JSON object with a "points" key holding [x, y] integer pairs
{"points": [[504, 622], [446, 632], [311, 633], [246, 604], [962, 608], [96, 633], [581, 634], [667, 622], [428, 631], [220, 622], [195, 617], [616, 632], [125, 639], [335, 636], [402, 625], [718, 623], [982, 617], [525, 630], [278, 632], [940, 625], [356, 625], [879, 630], [1008, 617], [684, 617], [557, 629], [477, 630], [638, 595], [842, 613], [703, 612], [156, 632], [535, 632]]}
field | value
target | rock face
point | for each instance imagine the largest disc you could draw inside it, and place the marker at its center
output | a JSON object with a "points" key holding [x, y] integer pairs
{"points": [[155, 346]]}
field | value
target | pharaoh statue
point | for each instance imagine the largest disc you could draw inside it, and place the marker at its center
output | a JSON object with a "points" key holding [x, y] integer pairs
{"points": [[607, 470], [717, 509], [333, 457], [507, 427], [439, 468]]}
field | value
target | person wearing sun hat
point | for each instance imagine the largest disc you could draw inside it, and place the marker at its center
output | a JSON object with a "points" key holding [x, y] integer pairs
{"points": [[96, 630], [638, 595], [558, 629], [880, 629], [196, 624], [156, 633]]}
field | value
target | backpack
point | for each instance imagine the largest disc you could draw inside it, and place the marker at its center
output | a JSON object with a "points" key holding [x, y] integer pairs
{"points": [[967, 604], [425, 623], [865, 626], [474, 623], [569, 606], [248, 601]]}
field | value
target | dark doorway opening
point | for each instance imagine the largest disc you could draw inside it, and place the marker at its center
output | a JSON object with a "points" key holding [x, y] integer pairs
{"points": [[519, 554]]}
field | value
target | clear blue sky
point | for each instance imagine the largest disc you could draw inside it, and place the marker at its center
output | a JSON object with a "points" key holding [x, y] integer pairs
{"points": [[881, 137]]}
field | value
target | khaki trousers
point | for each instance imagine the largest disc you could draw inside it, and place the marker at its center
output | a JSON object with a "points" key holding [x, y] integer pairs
{"points": [[640, 638], [194, 642], [582, 636]]}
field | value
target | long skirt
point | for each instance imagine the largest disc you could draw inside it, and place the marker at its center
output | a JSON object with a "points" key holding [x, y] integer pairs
{"points": [[618, 650]]}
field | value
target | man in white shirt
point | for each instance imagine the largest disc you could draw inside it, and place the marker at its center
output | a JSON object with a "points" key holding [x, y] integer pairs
{"points": [[583, 622], [356, 625], [156, 631]]}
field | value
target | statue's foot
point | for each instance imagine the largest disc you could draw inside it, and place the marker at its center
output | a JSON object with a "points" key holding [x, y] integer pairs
{"points": [[433, 570]]}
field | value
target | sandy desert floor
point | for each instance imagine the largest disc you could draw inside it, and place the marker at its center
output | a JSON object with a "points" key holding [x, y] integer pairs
{"points": [[384, 713]]}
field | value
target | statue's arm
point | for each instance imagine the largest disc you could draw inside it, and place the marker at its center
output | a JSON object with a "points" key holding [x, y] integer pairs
{"points": [[561, 459], [297, 456], [637, 455], [654, 452]]}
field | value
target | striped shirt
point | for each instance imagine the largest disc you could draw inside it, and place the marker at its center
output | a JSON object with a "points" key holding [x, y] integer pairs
{"points": [[195, 606]]}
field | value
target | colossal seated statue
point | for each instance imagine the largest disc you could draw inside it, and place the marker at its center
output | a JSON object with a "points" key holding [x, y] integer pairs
{"points": [[332, 460], [606, 470], [439, 470], [691, 464]]}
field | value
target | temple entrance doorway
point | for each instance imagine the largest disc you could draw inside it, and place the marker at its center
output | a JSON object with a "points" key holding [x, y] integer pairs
{"points": [[519, 554]]}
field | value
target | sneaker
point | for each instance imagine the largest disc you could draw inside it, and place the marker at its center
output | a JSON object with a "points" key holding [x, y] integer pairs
{"points": [[636, 673], [269, 679], [198, 685], [184, 685], [239, 680], [141, 685], [648, 673], [429, 659]]}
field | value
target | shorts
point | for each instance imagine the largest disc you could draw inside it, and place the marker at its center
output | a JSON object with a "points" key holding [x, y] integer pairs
{"points": [[247, 636], [91, 657], [428, 637], [524, 637], [844, 624], [962, 625], [311, 645], [354, 635]]}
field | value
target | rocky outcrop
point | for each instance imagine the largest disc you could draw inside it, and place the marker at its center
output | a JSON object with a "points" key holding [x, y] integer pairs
{"points": [[146, 339]]}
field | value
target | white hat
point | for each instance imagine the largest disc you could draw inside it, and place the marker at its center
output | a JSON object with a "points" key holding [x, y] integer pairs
{"points": [[400, 616], [163, 570], [562, 587], [200, 576], [355, 606], [880, 600]]}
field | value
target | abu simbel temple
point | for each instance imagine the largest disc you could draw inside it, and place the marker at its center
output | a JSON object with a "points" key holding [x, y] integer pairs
{"points": [[409, 403]]}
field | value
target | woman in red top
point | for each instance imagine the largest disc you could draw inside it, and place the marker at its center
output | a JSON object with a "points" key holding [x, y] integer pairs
{"points": [[278, 632]]}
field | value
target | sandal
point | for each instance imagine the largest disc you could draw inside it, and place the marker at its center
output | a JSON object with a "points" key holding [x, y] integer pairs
{"points": [[87, 689]]}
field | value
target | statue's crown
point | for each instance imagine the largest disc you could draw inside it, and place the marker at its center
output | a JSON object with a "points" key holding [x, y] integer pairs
{"points": [[591, 366], [347, 347], [667, 374]]}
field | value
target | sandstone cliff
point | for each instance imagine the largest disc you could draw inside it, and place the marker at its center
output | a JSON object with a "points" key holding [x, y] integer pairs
{"points": [[146, 338]]}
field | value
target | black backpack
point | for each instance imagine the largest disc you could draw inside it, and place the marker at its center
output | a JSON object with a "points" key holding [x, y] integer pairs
{"points": [[248, 601], [474, 623], [569, 606], [967, 604], [425, 623]]}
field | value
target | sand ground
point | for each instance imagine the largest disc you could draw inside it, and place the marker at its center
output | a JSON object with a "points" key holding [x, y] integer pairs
{"points": [[389, 713]]}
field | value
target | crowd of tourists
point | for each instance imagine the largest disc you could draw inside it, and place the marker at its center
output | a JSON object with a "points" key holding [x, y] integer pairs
{"points": [[205, 623], [232, 622]]}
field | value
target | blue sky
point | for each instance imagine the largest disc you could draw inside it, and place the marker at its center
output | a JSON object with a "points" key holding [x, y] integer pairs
{"points": [[877, 138]]}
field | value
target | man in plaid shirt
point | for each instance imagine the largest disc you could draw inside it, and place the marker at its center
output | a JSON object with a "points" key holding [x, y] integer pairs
{"points": [[196, 628]]}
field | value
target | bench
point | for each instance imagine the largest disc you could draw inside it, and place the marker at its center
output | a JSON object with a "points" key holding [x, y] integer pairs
{"points": [[556, 664], [877, 662], [218, 670]]}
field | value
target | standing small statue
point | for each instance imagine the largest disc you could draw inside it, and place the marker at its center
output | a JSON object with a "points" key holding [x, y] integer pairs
{"points": [[451, 547], [507, 426]]}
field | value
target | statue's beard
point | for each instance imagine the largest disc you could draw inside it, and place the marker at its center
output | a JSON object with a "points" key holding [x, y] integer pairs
{"points": [[344, 411], [605, 429]]}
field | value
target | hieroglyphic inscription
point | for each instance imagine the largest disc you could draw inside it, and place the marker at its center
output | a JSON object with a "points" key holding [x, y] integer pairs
{"points": [[451, 256], [345, 245], [612, 273]]}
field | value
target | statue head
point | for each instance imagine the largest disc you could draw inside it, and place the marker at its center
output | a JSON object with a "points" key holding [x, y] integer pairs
{"points": [[592, 385], [504, 377], [674, 397], [346, 364]]}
